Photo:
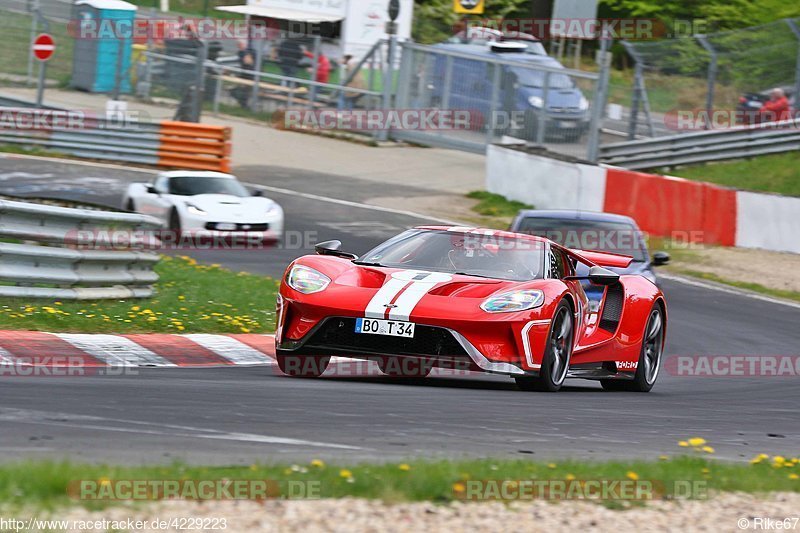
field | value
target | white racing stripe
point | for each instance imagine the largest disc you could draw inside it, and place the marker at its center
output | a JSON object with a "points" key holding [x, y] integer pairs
{"points": [[231, 349], [114, 350], [376, 308], [417, 283]]}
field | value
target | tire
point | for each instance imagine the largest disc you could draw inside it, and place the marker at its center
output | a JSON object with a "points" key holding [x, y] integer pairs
{"points": [[302, 366], [555, 365], [175, 223], [649, 357], [403, 367]]}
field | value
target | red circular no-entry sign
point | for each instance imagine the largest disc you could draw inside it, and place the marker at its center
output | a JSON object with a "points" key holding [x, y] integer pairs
{"points": [[44, 47]]}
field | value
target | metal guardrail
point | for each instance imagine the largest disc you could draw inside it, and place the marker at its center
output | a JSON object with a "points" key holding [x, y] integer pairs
{"points": [[43, 256], [167, 143], [705, 146]]}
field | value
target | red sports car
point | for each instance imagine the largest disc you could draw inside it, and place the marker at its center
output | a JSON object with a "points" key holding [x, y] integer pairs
{"points": [[475, 299]]}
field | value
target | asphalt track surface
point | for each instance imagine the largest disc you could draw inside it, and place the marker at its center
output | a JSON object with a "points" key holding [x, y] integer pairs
{"points": [[241, 415]]}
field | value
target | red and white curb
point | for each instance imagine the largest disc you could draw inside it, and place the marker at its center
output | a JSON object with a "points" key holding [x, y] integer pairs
{"points": [[135, 350]]}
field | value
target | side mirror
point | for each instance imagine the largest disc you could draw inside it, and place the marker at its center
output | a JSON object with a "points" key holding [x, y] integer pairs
{"points": [[258, 193], [602, 276], [660, 258], [333, 248], [151, 190]]}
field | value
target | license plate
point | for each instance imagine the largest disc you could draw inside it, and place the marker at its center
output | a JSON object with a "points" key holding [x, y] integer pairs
{"points": [[394, 328], [568, 124], [224, 226]]}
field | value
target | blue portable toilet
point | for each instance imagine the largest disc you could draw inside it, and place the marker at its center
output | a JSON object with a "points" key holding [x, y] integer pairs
{"points": [[103, 35]]}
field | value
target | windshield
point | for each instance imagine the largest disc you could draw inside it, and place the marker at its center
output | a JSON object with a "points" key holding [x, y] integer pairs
{"points": [[460, 253], [535, 78], [192, 185], [616, 237]]}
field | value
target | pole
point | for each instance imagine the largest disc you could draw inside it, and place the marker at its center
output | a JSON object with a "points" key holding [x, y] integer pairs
{"points": [[118, 69], [796, 30], [34, 22], [600, 96], [259, 51], [42, 64], [199, 81], [393, 11], [712, 76], [541, 122], [314, 66]]}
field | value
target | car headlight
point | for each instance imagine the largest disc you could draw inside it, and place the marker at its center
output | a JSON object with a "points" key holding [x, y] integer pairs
{"points": [[508, 302], [194, 210], [536, 101], [583, 105], [306, 280]]}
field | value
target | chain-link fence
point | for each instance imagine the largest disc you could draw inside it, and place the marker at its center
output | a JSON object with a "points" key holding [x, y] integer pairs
{"points": [[496, 96], [724, 76]]}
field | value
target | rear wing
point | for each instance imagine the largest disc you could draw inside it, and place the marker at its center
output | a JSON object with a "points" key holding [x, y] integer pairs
{"points": [[603, 259]]}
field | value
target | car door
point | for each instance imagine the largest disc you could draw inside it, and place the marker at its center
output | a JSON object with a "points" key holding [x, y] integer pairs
{"points": [[156, 203]]}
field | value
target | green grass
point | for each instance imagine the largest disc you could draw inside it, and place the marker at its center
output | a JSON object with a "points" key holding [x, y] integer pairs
{"points": [[190, 298], [495, 205], [779, 173], [44, 484]]}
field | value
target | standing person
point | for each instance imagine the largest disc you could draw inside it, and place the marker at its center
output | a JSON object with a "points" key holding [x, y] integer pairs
{"points": [[776, 108], [247, 61], [323, 73], [349, 98], [289, 55]]}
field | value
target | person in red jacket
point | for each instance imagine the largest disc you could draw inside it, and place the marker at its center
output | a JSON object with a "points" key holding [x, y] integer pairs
{"points": [[323, 66], [776, 108]]}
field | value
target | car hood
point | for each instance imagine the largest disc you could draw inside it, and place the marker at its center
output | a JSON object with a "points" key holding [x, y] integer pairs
{"points": [[225, 205]]}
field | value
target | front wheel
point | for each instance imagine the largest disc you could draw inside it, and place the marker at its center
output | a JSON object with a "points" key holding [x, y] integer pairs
{"points": [[558, 352], [302, 366], [649, 357]]}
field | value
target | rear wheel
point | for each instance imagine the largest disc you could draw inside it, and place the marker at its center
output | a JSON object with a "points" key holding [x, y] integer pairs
{"points": [[558, 352], [175, 223], [405, 367], [649, 357], [303, 366]]}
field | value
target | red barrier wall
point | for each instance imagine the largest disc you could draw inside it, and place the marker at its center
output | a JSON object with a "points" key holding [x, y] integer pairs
{"points": [[673, 207]]}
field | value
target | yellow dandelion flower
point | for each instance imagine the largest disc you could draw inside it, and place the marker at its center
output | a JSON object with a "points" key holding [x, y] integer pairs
{"points": [[569, 477], [253, 467], [794, 476], [779, 459], [683, 444], [632, 475], [707, 449], [697, 441], [459, 488], [345, 473], [318, 463], [663, 457], [404, 467], [551, 465]]}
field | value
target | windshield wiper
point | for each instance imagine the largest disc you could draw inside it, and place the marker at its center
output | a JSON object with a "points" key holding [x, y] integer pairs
{"points": [[475, 275], [367, 263]]}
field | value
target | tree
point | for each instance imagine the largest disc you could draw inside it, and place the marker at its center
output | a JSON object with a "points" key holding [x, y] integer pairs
{"points": [[435, 21]]}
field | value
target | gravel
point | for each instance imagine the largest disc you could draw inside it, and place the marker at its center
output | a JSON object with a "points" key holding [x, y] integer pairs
{"points": [[719, 513]]}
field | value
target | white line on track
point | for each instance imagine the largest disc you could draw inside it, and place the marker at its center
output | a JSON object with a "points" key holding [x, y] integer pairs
{"points": [[28, 416], [349, 203], [729, 290]]}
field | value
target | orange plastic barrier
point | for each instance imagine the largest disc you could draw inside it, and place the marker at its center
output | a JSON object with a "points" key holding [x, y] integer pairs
{"points": [[674, 207], [195, 146]]}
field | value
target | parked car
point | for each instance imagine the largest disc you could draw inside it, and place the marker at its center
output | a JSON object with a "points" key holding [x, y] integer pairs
{"points": [[520, 95], [586, 230], [190, 201]]}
